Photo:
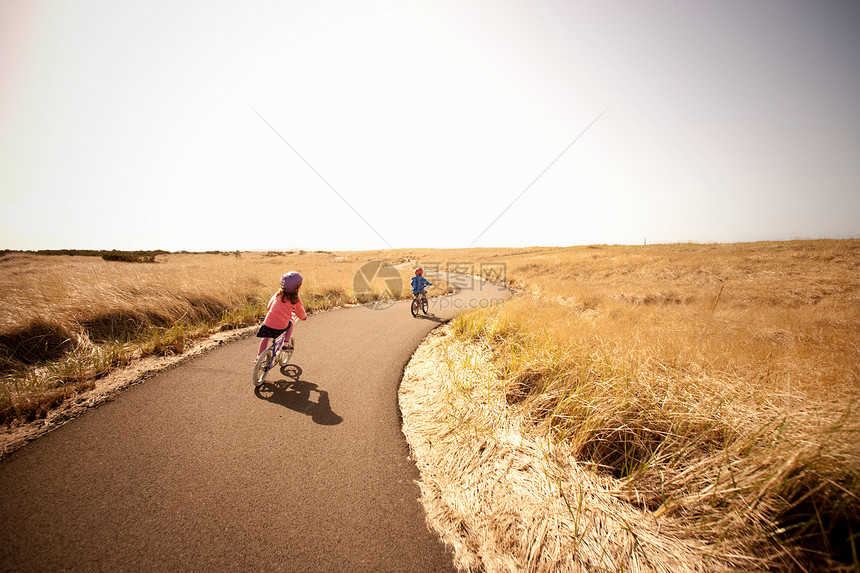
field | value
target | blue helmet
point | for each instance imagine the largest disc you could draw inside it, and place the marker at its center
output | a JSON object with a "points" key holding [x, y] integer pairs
{"points": [[291, 281]]}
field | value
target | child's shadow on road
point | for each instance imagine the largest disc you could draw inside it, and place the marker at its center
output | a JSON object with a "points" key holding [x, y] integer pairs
{"points": [[295, 394]]}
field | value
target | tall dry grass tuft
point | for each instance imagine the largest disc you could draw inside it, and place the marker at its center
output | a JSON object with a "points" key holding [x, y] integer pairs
{"points": [[714, 386], [65, 321], [507, 498]]}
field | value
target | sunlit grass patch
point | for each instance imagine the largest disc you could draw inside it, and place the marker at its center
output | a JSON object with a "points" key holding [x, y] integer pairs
{"points": [[509, 498]]}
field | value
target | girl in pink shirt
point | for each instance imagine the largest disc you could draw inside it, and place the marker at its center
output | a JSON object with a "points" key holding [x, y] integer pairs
{"points": [[282, 306]]}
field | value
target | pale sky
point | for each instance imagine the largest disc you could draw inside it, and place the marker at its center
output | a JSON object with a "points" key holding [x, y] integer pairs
{"points": [[204, 125]]}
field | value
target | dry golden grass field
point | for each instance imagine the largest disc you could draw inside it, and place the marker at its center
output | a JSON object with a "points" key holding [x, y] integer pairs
{"points": [[711, 391], [713, 388]]}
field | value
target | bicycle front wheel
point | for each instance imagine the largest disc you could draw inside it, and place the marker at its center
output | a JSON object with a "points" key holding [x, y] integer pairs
{"points": [[261, 367], [424, 304], [415, 306], [286, 352]]}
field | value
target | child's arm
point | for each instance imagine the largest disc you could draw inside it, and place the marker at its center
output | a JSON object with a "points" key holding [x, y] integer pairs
{"points": [[299, 310]]}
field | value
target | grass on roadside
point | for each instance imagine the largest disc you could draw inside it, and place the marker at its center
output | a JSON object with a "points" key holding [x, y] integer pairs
{"points": [[731, 410]]}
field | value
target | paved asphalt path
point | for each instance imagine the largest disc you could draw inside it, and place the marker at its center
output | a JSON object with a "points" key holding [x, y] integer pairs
{"points": [[195, 471]]}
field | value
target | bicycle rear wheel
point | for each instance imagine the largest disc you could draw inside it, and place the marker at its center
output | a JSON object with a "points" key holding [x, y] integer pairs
{"points": [[261, 367], [415, 306]]}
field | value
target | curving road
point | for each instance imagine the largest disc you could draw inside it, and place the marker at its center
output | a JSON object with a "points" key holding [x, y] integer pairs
{"points": [[195, 471]]}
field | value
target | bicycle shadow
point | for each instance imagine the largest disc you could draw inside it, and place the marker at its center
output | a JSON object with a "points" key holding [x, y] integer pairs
{"points": [[432, 317], [296, 394]]}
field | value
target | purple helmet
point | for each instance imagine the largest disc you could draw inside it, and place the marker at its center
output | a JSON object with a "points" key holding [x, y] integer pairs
{"points": [[291, 281]]}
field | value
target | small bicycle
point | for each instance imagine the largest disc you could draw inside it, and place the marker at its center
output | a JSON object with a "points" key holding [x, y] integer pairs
{"points": [[419, 303], [277, 353]]}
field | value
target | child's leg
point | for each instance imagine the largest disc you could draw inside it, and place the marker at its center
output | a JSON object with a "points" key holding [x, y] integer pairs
{"points": [[264, 344], [288, 334]]}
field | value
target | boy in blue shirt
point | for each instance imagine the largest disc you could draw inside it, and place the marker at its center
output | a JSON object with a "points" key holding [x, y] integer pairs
{"points": [[419, 282]]}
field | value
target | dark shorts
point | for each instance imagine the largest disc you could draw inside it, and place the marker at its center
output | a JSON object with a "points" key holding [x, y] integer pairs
{"points": [[268, 332]]}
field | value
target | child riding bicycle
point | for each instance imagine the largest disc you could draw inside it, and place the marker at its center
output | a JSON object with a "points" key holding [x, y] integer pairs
{"points": [[282, 306]]}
